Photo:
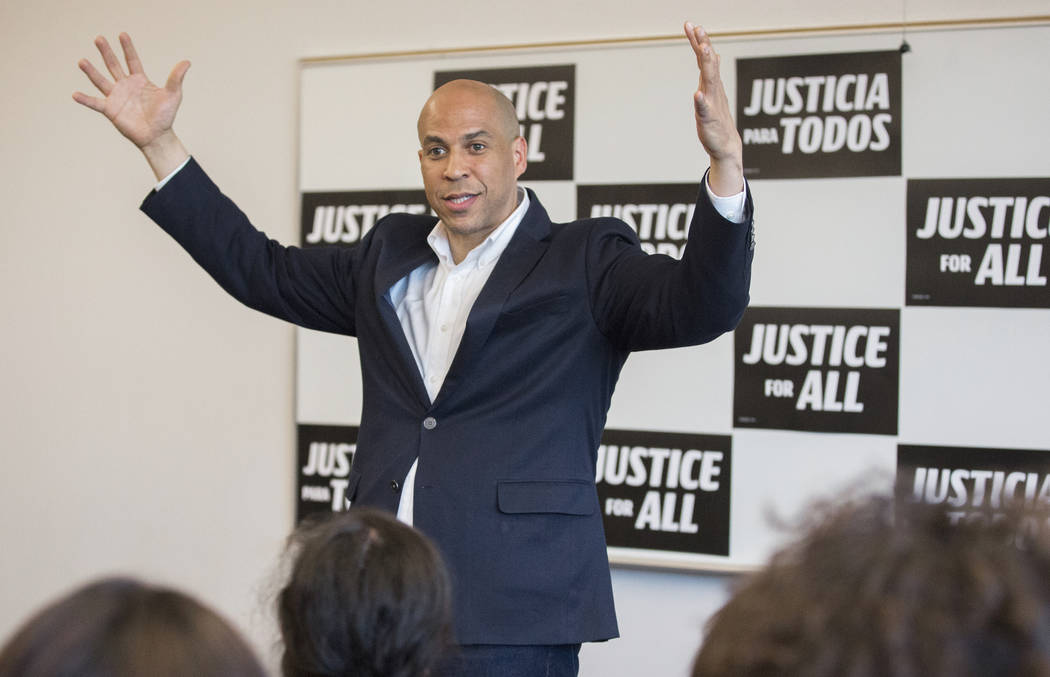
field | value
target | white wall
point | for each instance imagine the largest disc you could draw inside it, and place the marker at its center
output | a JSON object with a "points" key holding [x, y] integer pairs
{"points": [[147, 419]]}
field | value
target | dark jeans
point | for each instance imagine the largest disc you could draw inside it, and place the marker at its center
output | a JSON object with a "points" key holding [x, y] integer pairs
{"points": [[494, 660]]}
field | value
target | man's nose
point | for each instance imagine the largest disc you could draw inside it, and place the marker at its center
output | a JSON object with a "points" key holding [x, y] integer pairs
{"points": [[458, 165]]}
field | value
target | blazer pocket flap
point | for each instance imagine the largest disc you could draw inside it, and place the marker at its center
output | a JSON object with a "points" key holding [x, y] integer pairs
{"points": [[566, 497], [550, 305]]}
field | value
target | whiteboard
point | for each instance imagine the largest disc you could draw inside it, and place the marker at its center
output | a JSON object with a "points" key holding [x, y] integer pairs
{"points": [[973, 105]]}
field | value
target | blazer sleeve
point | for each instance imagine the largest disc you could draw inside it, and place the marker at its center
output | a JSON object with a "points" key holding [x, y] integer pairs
{"points": [[643, 302], [312, 288]]}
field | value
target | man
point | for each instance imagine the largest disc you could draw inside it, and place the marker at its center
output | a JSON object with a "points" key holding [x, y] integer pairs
{"points": [[490, 343]]}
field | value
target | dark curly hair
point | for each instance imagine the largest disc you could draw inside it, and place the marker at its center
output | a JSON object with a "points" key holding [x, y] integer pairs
{"points": [[367, 596], [883, 588], [120, 627]]}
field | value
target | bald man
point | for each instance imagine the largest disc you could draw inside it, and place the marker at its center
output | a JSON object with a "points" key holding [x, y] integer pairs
{"points": [[490, 342], [471, 157]]}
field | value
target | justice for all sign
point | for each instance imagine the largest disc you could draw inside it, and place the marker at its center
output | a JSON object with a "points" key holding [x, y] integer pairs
{"points": [[665, 491], [817, 369], [978, 242]]}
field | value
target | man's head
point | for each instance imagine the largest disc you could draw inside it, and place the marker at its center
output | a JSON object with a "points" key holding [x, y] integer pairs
{"points": [[471, 156], [878, 588]]}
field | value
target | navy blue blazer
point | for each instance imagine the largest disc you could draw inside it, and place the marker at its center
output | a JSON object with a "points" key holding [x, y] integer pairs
{"points": [[505, 483]]}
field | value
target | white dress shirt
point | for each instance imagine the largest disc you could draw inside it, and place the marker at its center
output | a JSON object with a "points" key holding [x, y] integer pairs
{"points": [[432, 303]]}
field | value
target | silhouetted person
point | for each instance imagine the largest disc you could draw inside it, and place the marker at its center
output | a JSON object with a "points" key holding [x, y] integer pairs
{"points": [[367, 596], [874, 589], [118, 627]]}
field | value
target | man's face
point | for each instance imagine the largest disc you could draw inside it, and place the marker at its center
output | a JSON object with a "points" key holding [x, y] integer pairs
{"points": [[471, 157]]}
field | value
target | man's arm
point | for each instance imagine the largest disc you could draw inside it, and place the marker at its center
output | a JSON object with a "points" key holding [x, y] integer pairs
{"points": [[312, 288], [141, 111], [643, 302]]}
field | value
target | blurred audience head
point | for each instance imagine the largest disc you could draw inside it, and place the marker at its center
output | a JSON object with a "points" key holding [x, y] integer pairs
{"points": [[119, 627], [366, 596], [875, 587]]}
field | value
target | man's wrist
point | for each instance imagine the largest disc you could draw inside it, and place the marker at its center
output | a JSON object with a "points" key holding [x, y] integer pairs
{"points": [[726, 177], [165, 154]]}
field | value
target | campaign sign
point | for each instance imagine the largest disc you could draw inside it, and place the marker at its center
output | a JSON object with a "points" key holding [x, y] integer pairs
{"points": [[820, 115], [544, 98], [978, 242], [324, 454], [972, 482], [659, 213], [817, 369], [665, 491], [342, 218]]}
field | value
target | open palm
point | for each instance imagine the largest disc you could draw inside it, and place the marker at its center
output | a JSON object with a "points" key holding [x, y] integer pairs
{"points": [[140, 110]]}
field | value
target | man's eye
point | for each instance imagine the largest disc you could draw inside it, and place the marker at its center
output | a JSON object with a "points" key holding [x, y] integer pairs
{"points": [[477, 147], [435, 152]]}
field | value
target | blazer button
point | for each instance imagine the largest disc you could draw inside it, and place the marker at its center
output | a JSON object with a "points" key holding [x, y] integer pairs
{"points": [[430, 423], [394, 486]]}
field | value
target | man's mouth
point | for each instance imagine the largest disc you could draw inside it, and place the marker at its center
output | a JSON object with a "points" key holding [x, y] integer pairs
{"points": [[458, 200]]}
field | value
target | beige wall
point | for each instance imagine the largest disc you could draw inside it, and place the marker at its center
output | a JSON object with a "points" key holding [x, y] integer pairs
{"points": [[147, 419]]}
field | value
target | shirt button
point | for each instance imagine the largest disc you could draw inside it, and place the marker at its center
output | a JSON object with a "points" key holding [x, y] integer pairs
{"points": [[394, 486], [444, 327], [430, 423]]}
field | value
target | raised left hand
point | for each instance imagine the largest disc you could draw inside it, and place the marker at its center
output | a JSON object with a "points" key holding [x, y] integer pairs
{"points": [[714, 118]]}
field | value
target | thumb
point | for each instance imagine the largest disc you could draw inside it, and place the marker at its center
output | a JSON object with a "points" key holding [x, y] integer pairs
{"points": [[700, 103], [174, 83]]}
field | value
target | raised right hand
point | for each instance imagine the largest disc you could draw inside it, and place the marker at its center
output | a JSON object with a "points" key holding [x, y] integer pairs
{"points": [[141, 111]]}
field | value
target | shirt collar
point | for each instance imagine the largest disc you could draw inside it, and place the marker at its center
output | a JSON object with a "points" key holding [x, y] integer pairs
{"points": [[487, 252]]}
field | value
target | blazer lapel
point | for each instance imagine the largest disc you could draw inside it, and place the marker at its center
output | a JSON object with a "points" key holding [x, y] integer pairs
{"points": [[521, 255], [401, 263]]}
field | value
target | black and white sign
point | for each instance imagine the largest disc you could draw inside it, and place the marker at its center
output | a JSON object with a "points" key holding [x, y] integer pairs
{"points": [[820, 115], [545, 100], [972, 482], [978, 242], [342, 218], [817, 369], [665, 491], [660, 213], [325, 453]]}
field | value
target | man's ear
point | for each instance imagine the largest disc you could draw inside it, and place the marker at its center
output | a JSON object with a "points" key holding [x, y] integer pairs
{"points": [[521, 152]]}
